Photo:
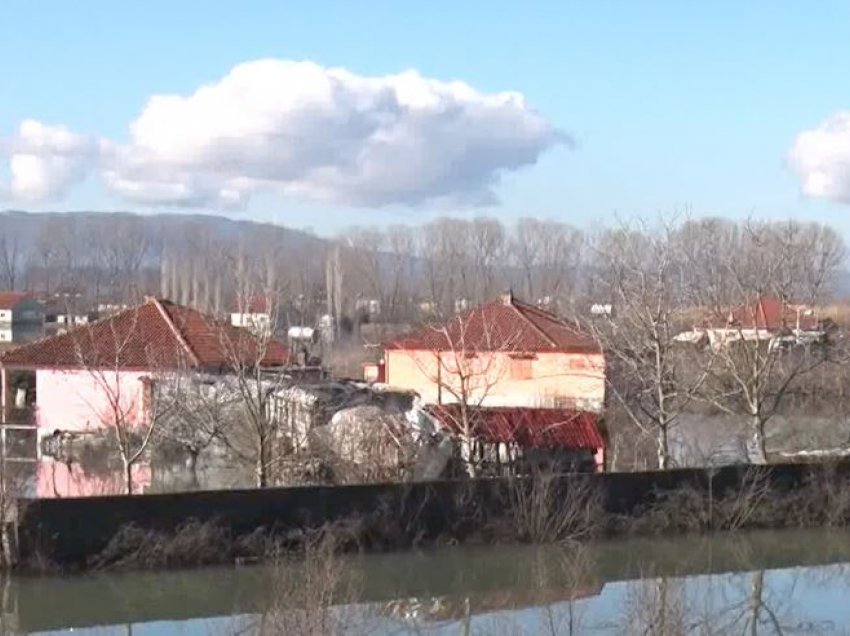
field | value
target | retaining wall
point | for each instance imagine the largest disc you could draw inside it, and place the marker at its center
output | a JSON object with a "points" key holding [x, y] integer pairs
{"points": [[71, 530]]}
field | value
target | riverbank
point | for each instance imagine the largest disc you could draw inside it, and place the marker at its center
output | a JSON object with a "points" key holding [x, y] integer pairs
{"points": [[205, 528]]}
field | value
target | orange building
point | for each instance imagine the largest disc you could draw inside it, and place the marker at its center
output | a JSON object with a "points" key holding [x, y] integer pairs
{"points": [[516, 379], [503, 353]]}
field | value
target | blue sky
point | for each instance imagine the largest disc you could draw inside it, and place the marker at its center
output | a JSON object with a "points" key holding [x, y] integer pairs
{"points": [[671, 105]]}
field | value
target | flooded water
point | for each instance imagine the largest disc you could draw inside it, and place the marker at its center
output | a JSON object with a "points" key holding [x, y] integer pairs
{"points": [[102, 474], [766, 583]]}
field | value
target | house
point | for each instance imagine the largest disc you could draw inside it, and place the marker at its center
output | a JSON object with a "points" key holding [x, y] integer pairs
{"points": [[517, 386], [79, 381], [19, 308], [766, 318], [370, 307], [66, 309], [502, 353], [254, 313]]}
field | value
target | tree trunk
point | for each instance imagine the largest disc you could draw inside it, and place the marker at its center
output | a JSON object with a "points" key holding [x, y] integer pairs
{"points": [[261, 468], [759, 446], [468, 454], [128, 476], [192, 465], [663, 450]]}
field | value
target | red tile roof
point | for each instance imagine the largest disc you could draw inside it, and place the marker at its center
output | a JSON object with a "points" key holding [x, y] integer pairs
{"points": [[257, 304], [504, 324], [526, 427], [769, 313], [9, 300], [156, 334]]}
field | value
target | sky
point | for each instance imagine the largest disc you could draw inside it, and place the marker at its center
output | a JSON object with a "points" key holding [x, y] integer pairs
{"points": [[323, 115]]}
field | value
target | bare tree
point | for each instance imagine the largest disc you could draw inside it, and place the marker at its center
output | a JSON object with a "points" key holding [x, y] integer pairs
{"points": [[11, 255], [470, 357], [547, 256], [488, 253], [753, 373], [254, 361], [444, 249], [122, 403], [197, 409], [752, 376], [640, 273]]}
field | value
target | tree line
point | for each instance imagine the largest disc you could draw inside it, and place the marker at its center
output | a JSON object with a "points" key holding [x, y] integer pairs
{"points": [[410, 272]]}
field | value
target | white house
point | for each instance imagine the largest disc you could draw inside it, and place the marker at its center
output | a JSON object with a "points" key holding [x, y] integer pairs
{"points": [[253, 314]]}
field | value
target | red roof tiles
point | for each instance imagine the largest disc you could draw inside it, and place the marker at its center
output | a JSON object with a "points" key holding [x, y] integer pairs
{"points": [[526, 427], [769, 313], [9, 300], [504, 324], [156, 334]]}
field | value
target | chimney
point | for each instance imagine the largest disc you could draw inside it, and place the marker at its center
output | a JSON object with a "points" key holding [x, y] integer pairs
{"points": [[507, 297]]}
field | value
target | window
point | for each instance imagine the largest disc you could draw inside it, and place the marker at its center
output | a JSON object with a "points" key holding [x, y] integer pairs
{"points": [[520, 368], [19, 443]]}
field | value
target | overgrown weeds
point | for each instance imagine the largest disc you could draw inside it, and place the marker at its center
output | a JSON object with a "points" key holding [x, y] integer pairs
{"points": [[545, 510]]}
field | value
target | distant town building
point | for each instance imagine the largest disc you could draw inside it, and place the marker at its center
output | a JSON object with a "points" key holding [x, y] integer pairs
{"points": [[767, 318], [19, 308], [254, 313], [368, 306], [461, 304]]}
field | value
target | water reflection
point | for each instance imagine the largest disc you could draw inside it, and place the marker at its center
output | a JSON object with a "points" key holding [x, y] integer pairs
{"points": [[101, 473], [765, 583], [59, 479]]}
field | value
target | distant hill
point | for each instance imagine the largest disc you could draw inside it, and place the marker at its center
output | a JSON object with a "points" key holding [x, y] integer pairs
{"points": [[27, 226]]}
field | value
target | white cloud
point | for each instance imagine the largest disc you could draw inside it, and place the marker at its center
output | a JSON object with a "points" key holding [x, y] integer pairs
{"points": [[45, 161], [301, 129], [821, 157]]}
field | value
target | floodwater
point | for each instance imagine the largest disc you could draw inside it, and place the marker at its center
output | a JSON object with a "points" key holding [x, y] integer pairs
{"points": [[760, 582]]}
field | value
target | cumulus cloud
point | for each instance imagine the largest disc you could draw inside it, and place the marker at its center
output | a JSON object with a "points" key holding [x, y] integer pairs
{"points": [[821, 157], [46, 161], [314, 132]]}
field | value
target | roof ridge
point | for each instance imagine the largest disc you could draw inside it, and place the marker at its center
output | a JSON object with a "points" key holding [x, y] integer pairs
{"points": [[522, 315], [65, 334], [177, 333], [543, 312]]}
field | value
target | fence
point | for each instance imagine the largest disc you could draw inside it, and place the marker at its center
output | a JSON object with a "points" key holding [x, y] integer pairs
{"points": [[70, 530]]}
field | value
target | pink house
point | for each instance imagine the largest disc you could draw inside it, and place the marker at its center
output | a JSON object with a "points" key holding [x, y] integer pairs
{"points": [[523, 370], [84, 379]]}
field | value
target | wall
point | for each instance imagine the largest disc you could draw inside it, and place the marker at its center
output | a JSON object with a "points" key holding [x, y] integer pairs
{"points": [[78, 400], [408, 513], [549, 379]]}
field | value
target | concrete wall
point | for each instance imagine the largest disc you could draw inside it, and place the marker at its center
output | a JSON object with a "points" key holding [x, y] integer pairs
{"points": [[71, 530], [546, 379], [78, 400]]}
